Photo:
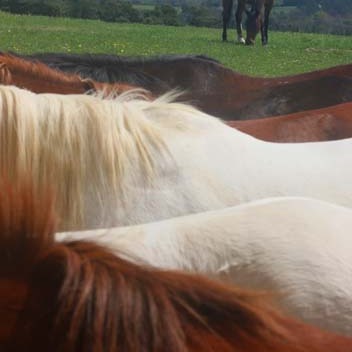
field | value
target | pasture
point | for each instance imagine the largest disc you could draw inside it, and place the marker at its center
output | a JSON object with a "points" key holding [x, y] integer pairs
{"points": [[287, 53]]}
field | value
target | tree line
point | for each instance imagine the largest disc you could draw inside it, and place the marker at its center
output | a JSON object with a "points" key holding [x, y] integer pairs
{"points": [[323, 16]]}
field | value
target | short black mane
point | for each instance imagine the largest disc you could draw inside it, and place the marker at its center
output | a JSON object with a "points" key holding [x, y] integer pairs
{"points": [[109, 59], [135, 70]]}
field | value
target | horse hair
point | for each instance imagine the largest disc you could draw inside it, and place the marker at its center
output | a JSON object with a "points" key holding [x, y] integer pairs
{"points": [[45, 133], [108, 59]]}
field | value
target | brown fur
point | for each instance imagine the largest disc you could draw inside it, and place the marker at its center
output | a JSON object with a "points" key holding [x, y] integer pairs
{"points": [[40, 78], [214, 88], [79, 297], [331, 123]]}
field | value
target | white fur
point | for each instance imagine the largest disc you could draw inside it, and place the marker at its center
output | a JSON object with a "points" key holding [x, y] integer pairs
{"points": [[129, 161], [241, 40], [299, 248], [213, 166]]}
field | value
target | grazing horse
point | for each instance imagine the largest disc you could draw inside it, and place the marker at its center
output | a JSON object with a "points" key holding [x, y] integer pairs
{"points": [[126, 161], [298, 247], [39, 78], [78, 296], [210, 86], [258, 12], [331, 123]]}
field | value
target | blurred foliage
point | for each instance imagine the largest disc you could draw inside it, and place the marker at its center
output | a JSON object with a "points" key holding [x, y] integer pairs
{"points": [[321, 16]]}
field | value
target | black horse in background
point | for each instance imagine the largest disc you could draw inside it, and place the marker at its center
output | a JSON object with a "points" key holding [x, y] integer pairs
{"points": [[257, 11]]}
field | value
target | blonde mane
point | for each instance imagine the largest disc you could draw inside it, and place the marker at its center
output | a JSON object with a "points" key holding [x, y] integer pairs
{"points": [[81, 144]]}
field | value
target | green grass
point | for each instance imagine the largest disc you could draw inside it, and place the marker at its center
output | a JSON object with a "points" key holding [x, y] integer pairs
{"points": [[287, 53]]}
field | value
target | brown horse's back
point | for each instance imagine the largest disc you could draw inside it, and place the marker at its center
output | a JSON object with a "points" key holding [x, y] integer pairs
{"points": [[212, 87], [330, 123]]}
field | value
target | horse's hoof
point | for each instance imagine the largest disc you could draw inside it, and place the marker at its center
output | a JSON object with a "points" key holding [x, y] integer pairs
{"points": [[241, 40]]}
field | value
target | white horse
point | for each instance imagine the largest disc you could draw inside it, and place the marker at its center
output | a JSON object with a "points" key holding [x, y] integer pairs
{"points": [[296, 247], [128, 161]]}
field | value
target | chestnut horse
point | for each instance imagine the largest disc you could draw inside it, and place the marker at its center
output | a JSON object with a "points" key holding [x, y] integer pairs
{"points": [[39, 78], [210, 86], [298, 247], [126, 161], [331, 123], [258, 12], [77, 296]]}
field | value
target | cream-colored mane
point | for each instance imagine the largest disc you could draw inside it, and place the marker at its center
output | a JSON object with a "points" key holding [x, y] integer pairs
{"points": [[80, 144]]}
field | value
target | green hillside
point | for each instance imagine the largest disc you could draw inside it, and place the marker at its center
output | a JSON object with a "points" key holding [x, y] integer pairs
{"points": [[287, 53]]}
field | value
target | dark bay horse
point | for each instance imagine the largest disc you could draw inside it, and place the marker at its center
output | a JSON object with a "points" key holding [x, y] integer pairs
{"points": [[39, 78], [212, 87], [78, 296], [331, 123], [258, 12], [157, 74]]}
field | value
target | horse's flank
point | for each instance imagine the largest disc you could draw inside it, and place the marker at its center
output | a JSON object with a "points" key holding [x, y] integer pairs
{"points": [[331, 123]]}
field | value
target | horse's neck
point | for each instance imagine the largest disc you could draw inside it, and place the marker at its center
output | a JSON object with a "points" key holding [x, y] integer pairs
{"points": [[225, 234], [246, 168], [38, 83], [202, 242]]}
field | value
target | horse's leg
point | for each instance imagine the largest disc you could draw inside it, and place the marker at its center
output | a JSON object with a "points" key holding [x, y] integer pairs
{"points": [[226, 15], [239, 13], [264, 33], [265, 25]]}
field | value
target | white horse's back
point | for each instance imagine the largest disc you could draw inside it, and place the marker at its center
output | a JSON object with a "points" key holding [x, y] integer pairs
{"points": [[299, 248]]}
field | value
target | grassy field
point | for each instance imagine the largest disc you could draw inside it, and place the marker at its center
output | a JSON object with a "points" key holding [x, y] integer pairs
{"points": [[287, 53]]}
